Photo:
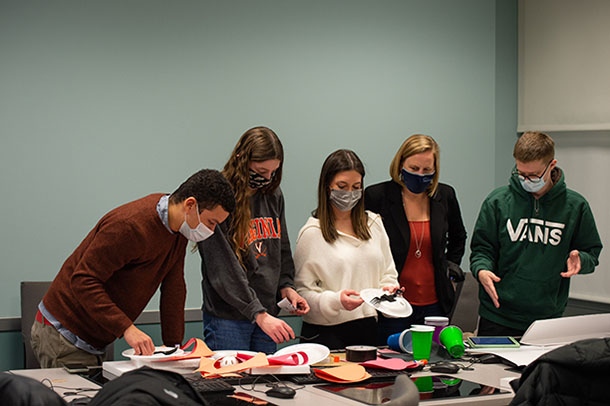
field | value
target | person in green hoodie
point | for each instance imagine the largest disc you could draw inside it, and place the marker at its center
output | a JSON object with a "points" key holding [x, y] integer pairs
{"points": [[531, 236]]}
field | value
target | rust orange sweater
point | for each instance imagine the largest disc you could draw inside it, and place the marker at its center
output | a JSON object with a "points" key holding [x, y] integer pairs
{"points": [[109, 279]]}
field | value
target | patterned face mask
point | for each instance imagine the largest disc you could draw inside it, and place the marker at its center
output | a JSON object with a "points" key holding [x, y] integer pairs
{"points": [[258, 181]]}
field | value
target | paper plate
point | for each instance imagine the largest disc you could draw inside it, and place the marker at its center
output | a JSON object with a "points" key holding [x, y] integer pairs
{"points": [[146, 359], [315, 352], [398, 308]]}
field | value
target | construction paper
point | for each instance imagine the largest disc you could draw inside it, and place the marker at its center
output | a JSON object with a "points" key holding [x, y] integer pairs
{"points": [[200, 349], [395, 364], [344, 374], [206, 366]]}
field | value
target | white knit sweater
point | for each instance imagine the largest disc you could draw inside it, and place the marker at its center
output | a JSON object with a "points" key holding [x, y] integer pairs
{"points": [[323, 270]]}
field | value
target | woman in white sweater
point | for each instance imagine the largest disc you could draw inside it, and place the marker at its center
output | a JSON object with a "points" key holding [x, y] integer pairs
{"points": [[341, 250]]}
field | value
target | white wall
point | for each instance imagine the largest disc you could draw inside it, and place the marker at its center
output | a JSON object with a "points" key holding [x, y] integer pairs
{"points": [[585, 158]]}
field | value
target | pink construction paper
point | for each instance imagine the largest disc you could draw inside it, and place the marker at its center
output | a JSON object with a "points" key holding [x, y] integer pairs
{"points": [[395, 364]]}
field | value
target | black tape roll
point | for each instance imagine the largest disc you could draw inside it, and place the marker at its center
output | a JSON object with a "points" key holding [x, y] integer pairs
{"points": [[360, 353]]}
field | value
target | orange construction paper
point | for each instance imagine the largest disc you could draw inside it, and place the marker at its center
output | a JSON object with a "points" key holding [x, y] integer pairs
{"points": [[206, 366], [344, 374], [199, 350]]}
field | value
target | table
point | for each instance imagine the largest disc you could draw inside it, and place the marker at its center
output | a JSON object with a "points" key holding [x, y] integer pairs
{"points": [[496, 375], [62, 381]]}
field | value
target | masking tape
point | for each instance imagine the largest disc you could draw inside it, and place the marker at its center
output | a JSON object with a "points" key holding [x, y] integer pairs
{"points": [[360, 353]]}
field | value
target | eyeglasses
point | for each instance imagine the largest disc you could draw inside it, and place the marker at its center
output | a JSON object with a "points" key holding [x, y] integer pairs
{"points": [[531, 178]]}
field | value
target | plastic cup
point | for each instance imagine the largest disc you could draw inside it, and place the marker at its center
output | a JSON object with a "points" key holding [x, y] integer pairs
{"points": [[439, 323], [401, 341], [452, 339], [422, 341], [425, 386]]}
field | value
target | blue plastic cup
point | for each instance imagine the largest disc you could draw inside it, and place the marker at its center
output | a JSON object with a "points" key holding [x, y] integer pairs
{"points": [[401, 341]]}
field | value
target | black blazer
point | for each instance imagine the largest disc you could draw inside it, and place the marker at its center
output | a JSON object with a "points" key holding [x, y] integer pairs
{"points": [[446, 231]]}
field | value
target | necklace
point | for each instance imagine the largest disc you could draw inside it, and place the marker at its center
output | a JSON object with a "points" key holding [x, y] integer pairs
{"points": [[421, 238], [419, 241]]}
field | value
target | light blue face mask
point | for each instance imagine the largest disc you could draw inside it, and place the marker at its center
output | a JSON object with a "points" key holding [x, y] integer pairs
{"points": [[532, 186]]}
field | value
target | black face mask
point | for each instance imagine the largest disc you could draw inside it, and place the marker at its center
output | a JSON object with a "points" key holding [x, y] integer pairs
{"points": [[258, 181]]}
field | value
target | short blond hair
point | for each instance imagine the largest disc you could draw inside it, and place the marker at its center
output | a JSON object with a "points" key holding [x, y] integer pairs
{"points": [[416, 144], [534, 146]]}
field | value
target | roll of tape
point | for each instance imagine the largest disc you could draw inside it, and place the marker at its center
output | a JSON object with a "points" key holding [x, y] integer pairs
{"points": [[360, 353]]}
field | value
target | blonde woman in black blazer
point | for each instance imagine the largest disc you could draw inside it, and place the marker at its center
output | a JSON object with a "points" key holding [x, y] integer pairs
{"points": [[427, 236]]}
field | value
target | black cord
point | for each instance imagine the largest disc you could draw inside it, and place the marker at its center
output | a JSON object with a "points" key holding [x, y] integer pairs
{"points": [[72, 391], [268, 383]]}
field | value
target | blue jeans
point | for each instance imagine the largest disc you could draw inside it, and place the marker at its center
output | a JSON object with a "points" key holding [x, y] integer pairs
{"points": [[223, 334], [387, 326]]}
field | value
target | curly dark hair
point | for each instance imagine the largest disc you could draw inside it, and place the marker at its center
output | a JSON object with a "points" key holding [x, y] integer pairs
{"points": [[209, 187]]}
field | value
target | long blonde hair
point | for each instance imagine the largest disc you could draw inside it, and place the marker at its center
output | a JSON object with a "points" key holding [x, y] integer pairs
{"points": [[255, 145], [416, 144]]}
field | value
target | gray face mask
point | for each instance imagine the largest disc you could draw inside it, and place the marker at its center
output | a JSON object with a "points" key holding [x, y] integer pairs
{"points": [[344, 200]]}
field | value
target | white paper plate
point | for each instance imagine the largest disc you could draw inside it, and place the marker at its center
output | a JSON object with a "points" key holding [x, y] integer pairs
{"points": [[398, 308], [315, 352], [141, 360], [129, 353]]}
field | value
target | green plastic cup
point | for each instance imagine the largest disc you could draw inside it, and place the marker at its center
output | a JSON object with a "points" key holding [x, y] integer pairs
{"points": [[422, 341], [452, 339], [424, 384]]}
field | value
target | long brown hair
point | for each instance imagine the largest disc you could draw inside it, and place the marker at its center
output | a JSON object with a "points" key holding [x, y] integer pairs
{"points": [[339, 161], [255, 145]]}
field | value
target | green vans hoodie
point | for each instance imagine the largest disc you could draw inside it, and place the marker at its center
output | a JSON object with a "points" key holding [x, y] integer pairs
{"points": [[526, 242]]}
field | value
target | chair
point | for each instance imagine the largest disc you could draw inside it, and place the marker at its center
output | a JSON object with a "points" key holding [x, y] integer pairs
{"points": [[31, 295], [466, 311]]}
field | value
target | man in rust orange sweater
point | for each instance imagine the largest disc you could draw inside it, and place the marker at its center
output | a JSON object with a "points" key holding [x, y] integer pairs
{"points": [[111, 276]]}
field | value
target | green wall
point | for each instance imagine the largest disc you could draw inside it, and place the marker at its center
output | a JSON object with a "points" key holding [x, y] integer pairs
{"points": [[102, 102]]}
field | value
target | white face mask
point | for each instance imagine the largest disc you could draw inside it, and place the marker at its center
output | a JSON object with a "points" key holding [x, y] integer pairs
{"points": [[197, 234]]}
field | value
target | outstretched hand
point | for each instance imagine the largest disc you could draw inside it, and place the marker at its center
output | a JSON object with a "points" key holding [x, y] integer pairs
{"points": [[487, 279], [573, 264]]}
